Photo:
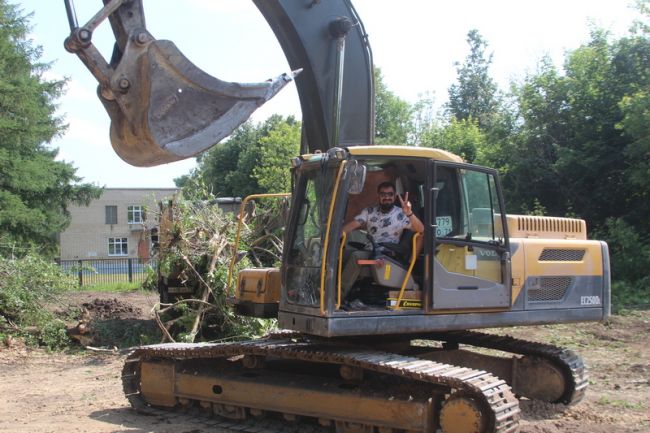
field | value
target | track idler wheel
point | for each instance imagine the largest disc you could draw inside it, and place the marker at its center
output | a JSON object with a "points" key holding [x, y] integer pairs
{"points": [[539, 379], [462, 413]]}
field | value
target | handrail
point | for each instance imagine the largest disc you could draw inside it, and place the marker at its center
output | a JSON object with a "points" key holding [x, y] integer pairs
{"points": [[327, 236], [240, 217], [414, 257], [338, 285]]}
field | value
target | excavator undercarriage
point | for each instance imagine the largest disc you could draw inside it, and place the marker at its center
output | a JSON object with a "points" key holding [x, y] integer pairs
{"points": [[353, 386]]}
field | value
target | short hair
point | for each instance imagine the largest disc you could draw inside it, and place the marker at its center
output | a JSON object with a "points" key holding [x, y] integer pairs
{"points": [[386, 184]]}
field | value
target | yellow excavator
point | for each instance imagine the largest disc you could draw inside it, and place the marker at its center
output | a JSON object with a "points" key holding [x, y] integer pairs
{"points": [[404, 357]]}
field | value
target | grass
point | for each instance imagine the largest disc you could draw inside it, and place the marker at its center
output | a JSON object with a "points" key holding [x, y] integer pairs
{"points": [[626, 295], [120, 287], [607, 401]]}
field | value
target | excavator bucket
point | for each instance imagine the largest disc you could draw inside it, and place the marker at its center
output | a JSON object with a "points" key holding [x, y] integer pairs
{"points": [[173, 110], [162, 107]]}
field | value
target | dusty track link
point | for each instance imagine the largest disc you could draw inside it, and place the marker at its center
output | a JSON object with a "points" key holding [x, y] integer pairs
{"points": [[500, 405], [568, 361]]}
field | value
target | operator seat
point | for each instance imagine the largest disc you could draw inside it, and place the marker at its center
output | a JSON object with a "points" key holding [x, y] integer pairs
{"points": [[401, 250], [395, 262]]}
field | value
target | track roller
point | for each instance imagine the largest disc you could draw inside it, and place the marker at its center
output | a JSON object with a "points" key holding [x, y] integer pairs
{"points": [[462, 414]]}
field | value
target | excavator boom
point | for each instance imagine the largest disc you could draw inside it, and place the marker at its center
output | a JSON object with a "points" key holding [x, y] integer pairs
{"points": [[337, 102], [163, 108]]}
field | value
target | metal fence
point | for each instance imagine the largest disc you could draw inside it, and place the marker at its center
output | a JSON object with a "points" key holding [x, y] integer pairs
{"points": [[102, 271]]}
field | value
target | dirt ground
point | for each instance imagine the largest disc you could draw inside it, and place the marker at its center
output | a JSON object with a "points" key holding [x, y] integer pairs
{"points": [[53, 392]]}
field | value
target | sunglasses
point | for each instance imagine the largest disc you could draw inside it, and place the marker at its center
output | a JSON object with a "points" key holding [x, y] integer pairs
{"points": [[386, 194]]}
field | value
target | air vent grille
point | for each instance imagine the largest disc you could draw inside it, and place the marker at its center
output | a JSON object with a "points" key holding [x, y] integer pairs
{"points": [[549, 224], [561, 255], [549, 289]]}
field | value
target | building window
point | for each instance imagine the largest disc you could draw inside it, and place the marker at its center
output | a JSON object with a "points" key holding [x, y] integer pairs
{"points": [[118, 247], [111, 214], [135, 215]]}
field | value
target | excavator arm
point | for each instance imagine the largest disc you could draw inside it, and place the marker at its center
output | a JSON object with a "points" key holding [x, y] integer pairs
{"points": [[327, 40], [163, 108]]}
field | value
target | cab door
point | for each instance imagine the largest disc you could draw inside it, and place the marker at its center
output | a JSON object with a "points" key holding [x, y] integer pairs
{"points": [[470, 261]]}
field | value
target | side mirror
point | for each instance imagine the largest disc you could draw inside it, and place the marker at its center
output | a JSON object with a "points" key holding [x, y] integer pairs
{"points": [[357, 177]]}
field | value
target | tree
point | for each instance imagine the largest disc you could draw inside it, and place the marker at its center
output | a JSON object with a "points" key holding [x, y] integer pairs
{"points": [[423, 118], [635, 124], [640, 26], [475, 94], [461, 137], [276, 149], [34, 188], [581, 144], [218, 166], [255, 159], [393, 123]]}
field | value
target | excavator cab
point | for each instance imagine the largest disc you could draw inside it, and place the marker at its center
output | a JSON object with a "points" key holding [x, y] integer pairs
{"points": [[458, 274], [461, 261]]}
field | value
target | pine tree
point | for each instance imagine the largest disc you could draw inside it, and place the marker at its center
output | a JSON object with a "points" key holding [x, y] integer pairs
{"points": [[34, 188]]}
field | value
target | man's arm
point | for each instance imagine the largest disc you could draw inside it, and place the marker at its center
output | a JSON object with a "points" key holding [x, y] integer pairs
{"points": [[416, 224], [351, 226]]}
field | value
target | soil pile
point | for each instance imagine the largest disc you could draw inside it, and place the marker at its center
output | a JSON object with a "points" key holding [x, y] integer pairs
{"points": [[112, 320], [111, 309]]}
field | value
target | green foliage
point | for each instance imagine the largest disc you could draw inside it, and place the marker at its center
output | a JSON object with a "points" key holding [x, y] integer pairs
{"points": [[34, 188], [572, 142], [197, 249], [276, 149], [423, 118], [123, 333], [626, 294], [635, 109], [630, 258], [120, 287], [538, 209], [27, 286], [53, 334], [475, 96], [254, 160], [461, 137], [572, 147], [393, 124], [642, 27]]}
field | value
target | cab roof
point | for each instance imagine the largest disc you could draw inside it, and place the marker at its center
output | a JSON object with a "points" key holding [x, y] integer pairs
{"points": [[405, 151], [400, 151]]}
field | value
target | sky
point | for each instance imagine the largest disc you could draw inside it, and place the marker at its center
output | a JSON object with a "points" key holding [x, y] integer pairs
{"points": [[414, 42]]}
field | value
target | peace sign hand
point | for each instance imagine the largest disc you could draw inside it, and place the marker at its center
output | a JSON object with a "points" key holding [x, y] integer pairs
{"points": [[405, 203]]}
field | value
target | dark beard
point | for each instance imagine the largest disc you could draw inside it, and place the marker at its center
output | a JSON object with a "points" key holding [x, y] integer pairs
{"points": [[386, 207]]}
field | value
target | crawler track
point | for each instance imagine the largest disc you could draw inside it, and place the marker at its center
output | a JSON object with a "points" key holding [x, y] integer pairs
{"points": [[498, 404], [572, 366]]}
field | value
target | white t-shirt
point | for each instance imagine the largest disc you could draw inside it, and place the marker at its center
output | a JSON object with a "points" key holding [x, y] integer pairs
{"points": [[384, 227]]}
